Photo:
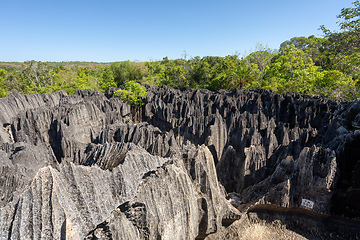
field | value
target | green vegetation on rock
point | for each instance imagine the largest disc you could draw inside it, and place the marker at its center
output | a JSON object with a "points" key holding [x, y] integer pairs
{"points": [[132, 94]]}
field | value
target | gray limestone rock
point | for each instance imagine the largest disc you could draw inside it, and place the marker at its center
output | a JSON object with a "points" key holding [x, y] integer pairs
{"points": [[69, 202], [171, 203], [91, 166]]}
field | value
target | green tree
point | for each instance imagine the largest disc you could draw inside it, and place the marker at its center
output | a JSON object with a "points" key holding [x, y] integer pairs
{"points": [[64, 79], [259, 61], [128, 71], [156, 74], [132, 94], [346, 42], [229, 73], [86, 79], [350, 18], [312, 46], [3, 85], [39, 76], [107, 80], [201, 68], [334, 84], [292, 70]]}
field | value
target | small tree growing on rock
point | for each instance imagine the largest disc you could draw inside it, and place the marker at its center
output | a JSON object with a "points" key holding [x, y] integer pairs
{"points": [[132, 94]]}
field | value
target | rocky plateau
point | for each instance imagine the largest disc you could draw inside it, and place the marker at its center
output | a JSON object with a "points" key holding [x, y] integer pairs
{"points": [[189, 164]]}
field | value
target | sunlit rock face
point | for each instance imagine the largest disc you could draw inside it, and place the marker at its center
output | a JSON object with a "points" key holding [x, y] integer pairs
{"points": [[197, 164]]}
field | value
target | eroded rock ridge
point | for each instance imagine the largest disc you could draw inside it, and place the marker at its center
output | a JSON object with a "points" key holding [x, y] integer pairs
{"points": [[192, 164]]}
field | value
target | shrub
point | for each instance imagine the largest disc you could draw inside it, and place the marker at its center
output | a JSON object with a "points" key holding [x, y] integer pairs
{"points": [[132, 94]]}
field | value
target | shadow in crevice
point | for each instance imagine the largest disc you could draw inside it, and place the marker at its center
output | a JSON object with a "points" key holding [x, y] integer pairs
{"points": [[55, 139], [16, 208], [346, 196], [138, 114], [102, 229], [63, 231]]}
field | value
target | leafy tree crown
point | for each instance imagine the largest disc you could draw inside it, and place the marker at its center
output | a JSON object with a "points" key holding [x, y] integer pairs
{"points": [[132, 94]]}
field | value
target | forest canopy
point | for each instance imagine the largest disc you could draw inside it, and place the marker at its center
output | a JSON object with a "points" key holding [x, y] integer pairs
{"points": [[327, 66]]}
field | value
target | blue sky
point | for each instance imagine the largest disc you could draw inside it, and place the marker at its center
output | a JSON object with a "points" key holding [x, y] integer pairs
{"points": [[107, 31]]}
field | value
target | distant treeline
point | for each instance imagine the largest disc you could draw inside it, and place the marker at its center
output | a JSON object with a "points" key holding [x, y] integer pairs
{"points": [[327, 66], [66, 64]]}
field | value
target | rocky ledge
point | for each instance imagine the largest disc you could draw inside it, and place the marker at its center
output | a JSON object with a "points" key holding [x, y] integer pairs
{"points": [[189, 164]]}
